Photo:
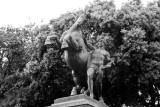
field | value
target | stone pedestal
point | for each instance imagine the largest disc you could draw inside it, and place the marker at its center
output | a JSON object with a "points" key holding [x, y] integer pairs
{"points": [[77, 101]]}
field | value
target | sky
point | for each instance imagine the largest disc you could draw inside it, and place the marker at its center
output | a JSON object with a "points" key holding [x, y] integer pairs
{"points": [[21, 12]]}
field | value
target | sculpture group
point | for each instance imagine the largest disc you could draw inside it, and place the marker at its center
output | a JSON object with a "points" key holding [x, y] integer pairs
{"points": [[87, 62]]}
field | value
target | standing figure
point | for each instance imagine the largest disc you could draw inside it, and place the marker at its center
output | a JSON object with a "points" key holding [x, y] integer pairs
{"points": [[97, 61]]}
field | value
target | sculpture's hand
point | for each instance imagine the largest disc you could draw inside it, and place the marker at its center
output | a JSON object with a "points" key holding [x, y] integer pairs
{"points": [[106, 66], [81, 19], [109, 64], [112, 61]]}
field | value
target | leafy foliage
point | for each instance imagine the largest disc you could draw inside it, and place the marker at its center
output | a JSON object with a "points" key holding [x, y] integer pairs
{"points": [[131, 35]]}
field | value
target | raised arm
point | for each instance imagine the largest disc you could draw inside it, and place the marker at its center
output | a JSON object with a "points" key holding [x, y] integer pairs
{"points": [[89, 46], [78, 22]]}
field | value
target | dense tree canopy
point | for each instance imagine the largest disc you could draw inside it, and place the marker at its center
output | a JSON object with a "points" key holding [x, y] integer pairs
{"points": [[31, 76]]}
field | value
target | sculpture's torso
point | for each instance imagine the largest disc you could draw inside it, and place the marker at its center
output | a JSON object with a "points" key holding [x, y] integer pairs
{"points": [[96, 59]]}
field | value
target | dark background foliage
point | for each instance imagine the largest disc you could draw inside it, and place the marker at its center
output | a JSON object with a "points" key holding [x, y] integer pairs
{"points": [[131, 35]]}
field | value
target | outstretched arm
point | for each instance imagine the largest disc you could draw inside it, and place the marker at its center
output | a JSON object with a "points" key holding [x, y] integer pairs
{"points": [[89, 46], [108, 65]]}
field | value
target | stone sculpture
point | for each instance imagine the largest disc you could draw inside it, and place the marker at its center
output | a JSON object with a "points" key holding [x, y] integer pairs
{"points": [[98, 60], [84, 64], [76, 55], [73, 43]]}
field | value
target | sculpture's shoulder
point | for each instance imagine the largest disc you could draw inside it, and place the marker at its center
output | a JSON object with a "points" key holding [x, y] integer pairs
{"points": [[100, 53]]}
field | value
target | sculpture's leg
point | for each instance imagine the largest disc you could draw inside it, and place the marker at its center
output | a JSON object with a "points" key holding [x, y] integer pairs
{"points": [[77, 88], [90, 74], [99, 89], [100, 93], [99, 85]]}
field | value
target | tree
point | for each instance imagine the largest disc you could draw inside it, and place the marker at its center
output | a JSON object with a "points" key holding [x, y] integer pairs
{"points": [[131, 35]]}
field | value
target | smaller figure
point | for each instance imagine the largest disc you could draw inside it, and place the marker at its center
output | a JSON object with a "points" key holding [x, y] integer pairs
{"points": [[98, 60], [51, 41]]}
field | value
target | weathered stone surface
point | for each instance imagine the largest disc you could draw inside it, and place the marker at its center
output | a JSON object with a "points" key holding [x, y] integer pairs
{"points": [[77, 101]]}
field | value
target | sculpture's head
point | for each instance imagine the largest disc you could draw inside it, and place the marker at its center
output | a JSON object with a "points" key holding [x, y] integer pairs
{"points": [[50, 41], [63, 40], [101, 45]]}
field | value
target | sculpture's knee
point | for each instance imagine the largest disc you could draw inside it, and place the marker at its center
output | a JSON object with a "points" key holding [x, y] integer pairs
{"points": [[100, 77], [90, 73]]}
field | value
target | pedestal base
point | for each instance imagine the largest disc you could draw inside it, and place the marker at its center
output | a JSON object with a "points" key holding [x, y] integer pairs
{"points": [[77, 101]]}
